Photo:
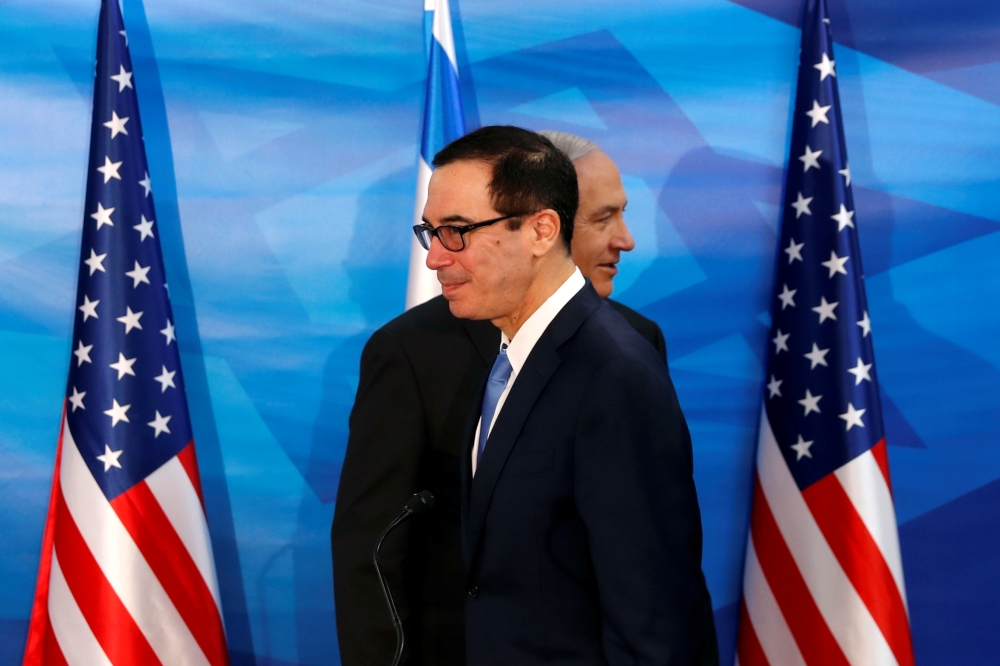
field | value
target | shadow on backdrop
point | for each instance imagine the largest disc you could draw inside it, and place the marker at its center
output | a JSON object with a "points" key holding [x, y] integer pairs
{"points": [[377, 264]]}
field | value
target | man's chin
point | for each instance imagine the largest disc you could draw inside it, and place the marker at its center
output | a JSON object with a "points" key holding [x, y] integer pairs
{"points": [[460, 307], [603, 279]]}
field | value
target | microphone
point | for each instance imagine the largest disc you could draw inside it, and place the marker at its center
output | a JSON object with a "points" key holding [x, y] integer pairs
{"points": [[416, 505]]}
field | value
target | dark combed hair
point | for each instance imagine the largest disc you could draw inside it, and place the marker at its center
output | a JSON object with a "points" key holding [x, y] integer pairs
{"points": [[529, 173]]}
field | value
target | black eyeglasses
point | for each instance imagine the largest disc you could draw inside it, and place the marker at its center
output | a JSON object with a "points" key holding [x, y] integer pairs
{"points": [[452, 236]]}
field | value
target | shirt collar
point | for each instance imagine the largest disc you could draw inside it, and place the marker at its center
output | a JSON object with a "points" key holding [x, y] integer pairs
{"points": [[531, 330]]}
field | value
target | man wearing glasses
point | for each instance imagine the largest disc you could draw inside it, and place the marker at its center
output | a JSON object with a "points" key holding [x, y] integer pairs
{"points": [[418, 375]]}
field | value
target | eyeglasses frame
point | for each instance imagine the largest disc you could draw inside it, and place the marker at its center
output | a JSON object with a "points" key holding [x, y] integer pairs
{"points": [[462, 229]]}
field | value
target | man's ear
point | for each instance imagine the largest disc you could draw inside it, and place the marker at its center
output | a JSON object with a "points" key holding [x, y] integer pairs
{"points": [[545, 227]]}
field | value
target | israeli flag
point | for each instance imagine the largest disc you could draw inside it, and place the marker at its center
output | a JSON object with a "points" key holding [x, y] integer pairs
{"points": [[443, 123]]}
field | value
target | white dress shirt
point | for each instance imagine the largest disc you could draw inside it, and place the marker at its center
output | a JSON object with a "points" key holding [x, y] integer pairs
{"points": [[524, 341]]}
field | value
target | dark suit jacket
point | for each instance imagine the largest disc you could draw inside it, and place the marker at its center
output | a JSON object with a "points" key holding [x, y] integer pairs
{"points": [[647, 328], [418, 382], [581, 528]]}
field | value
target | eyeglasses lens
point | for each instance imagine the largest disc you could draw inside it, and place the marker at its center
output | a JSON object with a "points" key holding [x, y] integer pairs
{"points": [[451, 238]]}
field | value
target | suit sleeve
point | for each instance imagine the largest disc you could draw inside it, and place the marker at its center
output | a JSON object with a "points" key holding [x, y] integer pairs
{"points": [[636, 495], [387, 437]]}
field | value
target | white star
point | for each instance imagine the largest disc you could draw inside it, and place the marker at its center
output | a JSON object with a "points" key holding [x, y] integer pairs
{"points": [[123, 78], [145, 228], [159, 424], [103, 216], [861, 372], [836, 264], [122, 33], [95, 261], [846, 173], [138, 274], [817, 356], [774, 387], [117, 413], [810, 159], [794, 250], [89, 308], [787, 297], [123, 366], [110, 458], [77, 399], [843, 218], [801, 206], [780, 342], [801, 448], [110, 169], [818, 113], [166, 379], [130, 319], [825, 67], [810, 402], [852, 416], [825, 310], [866, 325], [147, 184], [169, 332], [117, 125], [82, 353]]}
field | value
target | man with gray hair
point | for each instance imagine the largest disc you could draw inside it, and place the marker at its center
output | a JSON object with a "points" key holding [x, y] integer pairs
{"points": [[600, 234]]}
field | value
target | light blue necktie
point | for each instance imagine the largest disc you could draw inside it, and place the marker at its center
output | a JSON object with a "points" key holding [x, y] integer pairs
{"points": [[494, 389]]}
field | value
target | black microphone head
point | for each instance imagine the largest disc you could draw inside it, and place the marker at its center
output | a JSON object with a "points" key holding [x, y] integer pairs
{"points": [[420, 502]]}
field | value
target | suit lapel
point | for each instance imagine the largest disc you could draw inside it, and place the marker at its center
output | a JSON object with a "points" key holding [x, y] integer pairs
{"points": [[542, 363]]}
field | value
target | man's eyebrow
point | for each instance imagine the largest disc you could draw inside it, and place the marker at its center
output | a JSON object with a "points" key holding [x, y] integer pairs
{"points": [[446, 220], [609, 209], [456, 218]]}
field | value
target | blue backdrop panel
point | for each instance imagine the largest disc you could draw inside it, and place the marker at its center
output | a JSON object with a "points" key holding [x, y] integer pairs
{"points": [[282, 141]]}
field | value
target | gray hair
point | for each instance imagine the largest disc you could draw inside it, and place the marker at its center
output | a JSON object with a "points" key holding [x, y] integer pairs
{"points": [[573, 146]]}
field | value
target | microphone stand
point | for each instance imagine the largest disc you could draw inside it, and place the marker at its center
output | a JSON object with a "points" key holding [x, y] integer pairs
{"points": [[419, 503]]}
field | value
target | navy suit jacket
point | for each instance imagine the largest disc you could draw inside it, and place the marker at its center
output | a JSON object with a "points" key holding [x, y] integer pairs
{"points": [[581, 528]]}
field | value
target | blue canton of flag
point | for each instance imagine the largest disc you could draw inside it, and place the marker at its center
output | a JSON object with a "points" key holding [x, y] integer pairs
{"points": [[822, 398], [443, 122], [127, 410]]}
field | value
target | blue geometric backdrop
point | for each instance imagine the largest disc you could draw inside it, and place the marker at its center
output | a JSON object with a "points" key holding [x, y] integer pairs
{"points": [[282, 140]]}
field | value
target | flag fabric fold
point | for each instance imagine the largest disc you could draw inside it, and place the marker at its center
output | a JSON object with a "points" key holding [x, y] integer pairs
{"points": [[443, 122], [127, 574], [823, 578]]}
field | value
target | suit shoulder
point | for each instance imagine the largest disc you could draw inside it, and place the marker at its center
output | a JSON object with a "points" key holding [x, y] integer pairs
{"points": [[430, 329], [608, 336], [430, 315], [646, 327]]}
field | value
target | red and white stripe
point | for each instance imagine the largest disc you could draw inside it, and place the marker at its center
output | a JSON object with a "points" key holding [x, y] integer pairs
{"points": [[823, 578], [131, 581]]}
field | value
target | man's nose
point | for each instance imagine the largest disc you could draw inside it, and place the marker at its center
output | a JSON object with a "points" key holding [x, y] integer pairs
{"points": [[437, 256], [621, 237]]}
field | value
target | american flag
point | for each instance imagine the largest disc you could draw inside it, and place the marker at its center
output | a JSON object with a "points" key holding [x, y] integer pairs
{"points": [[127, 574], [823, 578]]}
